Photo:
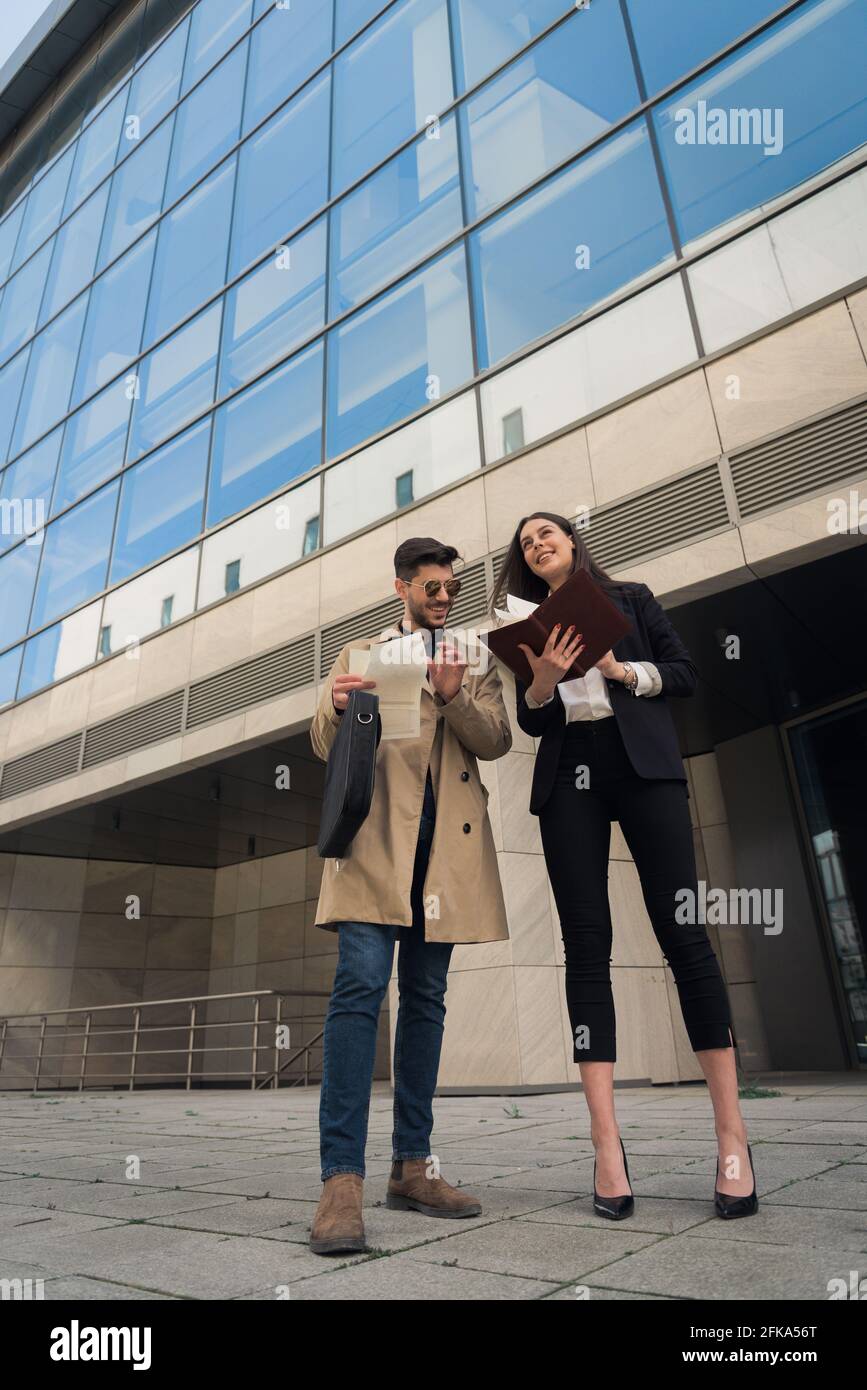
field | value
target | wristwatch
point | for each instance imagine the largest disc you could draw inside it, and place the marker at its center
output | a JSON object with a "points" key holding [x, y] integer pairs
{"points": [[631, 680]]}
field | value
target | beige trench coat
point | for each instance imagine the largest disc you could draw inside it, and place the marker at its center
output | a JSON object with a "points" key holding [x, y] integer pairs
{"points": [[462, 892]]}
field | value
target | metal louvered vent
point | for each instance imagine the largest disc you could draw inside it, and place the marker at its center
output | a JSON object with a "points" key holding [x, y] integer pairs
{"points": [[370, 623], [659, 520], [473, 598], [262, 678], [134, 729], [803, 461], [45, 765]]}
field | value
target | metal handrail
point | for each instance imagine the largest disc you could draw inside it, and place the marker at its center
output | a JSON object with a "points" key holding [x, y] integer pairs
{"points": [[67, 1030]]}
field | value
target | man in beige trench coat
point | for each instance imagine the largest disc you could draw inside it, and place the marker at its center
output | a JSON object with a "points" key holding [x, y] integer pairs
{"points": [[421, 871]]}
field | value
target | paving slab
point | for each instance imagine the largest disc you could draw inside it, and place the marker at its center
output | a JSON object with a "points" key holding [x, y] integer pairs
{"points": [[656, 1216], [230, 1182], [555, 1253], [109, 1199], [183, 1264], [829, 1190], [691, 1266], [78, 1287], [792, 1227], [398, 1279]]}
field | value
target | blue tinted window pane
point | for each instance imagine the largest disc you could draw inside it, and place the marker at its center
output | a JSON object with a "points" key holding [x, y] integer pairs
{"points": [[17, 578], [11, 379], [275, 194], [161, 16], [207, 124], [351, 14], [286, 48], [94, 444], [8, 236], [190, 262], [95, 153], [214, 28], [113, 339], [161, 503], [395, 219], [177, 381], [580, 237], [274, 309], [760, 123], [75, 556], [116, 57], [388, 85], [20, 305], [47, 658], [44, 207], [393, 358], [10, 663], [136, 194], [26, 487], [45, 397], [271, 433], [672, 40], [74, 260], [154, 89], [541, 110], [490, 31]]}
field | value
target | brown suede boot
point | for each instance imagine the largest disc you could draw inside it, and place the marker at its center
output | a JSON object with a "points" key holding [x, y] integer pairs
{"points": [[338, 1225], [410, 1189]]}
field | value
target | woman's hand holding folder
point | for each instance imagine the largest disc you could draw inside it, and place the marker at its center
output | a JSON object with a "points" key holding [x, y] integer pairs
{"points": [[557, 657]]}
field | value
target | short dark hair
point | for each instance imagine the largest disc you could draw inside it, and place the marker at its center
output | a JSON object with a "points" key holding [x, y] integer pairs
{"points": [[421, 550]]}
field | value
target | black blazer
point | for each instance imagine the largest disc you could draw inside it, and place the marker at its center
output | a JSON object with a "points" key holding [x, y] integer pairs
{"points": [[644, 721]]}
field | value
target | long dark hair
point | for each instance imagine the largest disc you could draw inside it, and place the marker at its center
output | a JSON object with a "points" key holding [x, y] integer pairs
{"points": [[517, 578]]}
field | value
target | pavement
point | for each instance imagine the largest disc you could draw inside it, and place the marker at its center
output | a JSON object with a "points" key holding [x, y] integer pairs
{"points": [[210, 1195]]}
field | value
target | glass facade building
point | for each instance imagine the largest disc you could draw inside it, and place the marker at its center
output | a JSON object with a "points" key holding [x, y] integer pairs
{"points": [[269, 272]]}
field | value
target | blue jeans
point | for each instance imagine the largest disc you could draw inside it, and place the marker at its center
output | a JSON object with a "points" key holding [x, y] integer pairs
{"points": [[365, 955]]}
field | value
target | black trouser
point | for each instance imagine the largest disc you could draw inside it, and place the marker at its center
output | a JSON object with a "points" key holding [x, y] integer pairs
{"points": [[576, 829]]}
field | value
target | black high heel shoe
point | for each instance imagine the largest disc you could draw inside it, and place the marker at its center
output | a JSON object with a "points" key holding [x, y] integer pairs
{"points": [[614, 1208], [730, 1207]]}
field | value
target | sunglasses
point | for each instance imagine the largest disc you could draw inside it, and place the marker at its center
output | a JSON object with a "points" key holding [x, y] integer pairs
{"points": [[433, 586]]}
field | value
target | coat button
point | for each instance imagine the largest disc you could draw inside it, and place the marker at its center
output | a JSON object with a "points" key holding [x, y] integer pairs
{"points": [[465, 777], [467, 828]]}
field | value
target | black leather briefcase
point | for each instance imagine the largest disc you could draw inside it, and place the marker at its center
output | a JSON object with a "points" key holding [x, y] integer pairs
{"points": [[349, 775]]}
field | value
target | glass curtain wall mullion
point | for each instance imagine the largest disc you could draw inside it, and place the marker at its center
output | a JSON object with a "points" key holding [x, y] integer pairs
{"points": [[128, 81], [463, 166], [87, 121], [681, 84], [493, 214], [230, 285], [671, 217], [301, 346], [329, 187], [372, 19], [234, 149], [221, 336], [352, 187], [658, 92], [228, 521]]}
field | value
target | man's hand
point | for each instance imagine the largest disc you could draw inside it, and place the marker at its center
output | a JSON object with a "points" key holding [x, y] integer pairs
{"points": [[343, 687], [447, 672]]}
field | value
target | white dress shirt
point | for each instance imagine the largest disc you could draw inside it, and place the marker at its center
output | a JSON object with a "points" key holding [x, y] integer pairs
{"points": [[587, 696]]}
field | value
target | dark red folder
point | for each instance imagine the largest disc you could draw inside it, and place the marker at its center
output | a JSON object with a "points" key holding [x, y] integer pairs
{"points": [[579, 601]]}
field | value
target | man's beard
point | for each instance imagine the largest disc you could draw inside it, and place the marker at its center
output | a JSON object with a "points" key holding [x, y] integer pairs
{"points": [[421, 618]]}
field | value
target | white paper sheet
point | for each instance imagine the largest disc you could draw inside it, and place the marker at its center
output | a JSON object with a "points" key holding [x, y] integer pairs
{"points": [[399, 668]]}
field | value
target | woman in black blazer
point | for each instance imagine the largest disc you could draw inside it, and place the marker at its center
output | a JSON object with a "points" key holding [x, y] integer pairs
{"points": [[609, 752]]}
